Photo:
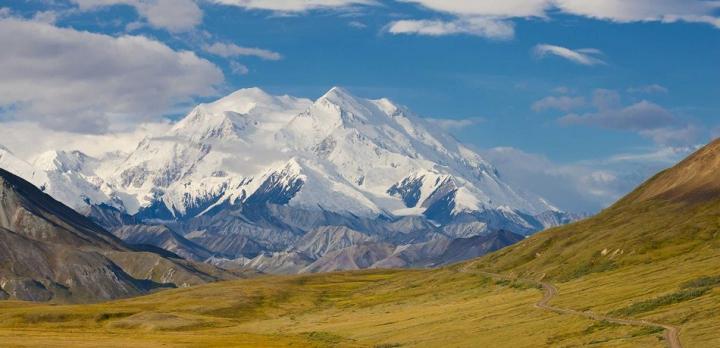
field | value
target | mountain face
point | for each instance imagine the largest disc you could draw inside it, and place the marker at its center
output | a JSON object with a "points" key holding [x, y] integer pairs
{"points": [[48, 252], [252, 174]]}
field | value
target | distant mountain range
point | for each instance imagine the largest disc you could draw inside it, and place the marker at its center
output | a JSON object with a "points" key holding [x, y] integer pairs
{"points": [[285, 184]]}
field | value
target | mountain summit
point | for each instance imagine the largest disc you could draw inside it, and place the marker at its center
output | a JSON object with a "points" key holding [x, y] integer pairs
{"points": [[259, 166]]}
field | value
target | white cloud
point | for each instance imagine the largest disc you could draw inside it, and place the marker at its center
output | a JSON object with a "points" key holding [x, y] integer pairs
{"points": [[643, 10], [173, 15], [231, 50], [583, 56], [623, 11], [450, 124], [479, 26], [238, 68], [85, 82], [45, 16], [648, 89], [357, 25], [563, 103], [294, 5], [504, 9]]}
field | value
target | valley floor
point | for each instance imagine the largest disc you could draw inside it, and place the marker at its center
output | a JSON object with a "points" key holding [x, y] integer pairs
{"points": [[428, 308]]}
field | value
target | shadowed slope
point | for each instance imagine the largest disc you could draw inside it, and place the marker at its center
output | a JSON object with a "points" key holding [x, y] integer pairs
{"points": [[48, 252]]}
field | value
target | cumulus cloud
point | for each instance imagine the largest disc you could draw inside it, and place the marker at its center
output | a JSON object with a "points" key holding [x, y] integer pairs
{"points": [[294, 5], [172, 15], [85, 82], [231, 50], [563, 103], [583, 56], [478, 26], [450, 124]]}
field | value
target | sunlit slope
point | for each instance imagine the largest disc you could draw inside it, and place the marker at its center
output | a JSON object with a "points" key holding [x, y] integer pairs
{"points": [[358, 309], [676, 214], [654, 255]]}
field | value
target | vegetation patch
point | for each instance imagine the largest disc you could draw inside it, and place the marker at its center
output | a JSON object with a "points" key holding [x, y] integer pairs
{"points": [[652, 304], [646, 331], [702, 282], [324, 337], [598, 326], [112, 315], [518, 284], [595, 265], [37, 318]]}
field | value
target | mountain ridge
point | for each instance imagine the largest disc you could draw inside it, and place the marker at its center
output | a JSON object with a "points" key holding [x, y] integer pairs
{"points": [[221, 172], [49, 252]]}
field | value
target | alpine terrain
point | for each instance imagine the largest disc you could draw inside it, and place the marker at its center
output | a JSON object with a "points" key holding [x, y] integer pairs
{"points": [[643, 273], [284, 184]]}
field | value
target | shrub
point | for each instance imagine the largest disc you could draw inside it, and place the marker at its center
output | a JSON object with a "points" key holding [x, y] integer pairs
{"points": [[652, 304]]}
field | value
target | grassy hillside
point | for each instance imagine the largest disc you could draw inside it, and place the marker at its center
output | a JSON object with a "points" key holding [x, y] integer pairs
{"points": [[354, 309], [640, 257], [652, 256]]}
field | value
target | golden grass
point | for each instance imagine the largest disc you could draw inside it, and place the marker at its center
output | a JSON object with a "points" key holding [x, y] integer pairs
{"points": [[352, 309]]}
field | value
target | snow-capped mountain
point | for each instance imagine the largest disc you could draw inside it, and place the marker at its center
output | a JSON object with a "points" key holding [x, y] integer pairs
{"points": [[340, 153], [265, 166]]}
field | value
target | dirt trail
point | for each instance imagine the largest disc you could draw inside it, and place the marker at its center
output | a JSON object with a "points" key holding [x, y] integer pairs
{"points": [[550, 292]]}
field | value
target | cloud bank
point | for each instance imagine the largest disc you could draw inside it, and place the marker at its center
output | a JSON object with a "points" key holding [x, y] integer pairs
{"points": [[85, 82]]}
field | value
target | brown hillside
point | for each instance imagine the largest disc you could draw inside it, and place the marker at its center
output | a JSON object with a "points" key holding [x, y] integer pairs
{"points": [[695, 179]]}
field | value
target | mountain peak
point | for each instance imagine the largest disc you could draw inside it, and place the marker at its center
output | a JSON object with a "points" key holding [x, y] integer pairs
{"points": [[340, 97], [64, 161], [239, 115], [201, 124]]}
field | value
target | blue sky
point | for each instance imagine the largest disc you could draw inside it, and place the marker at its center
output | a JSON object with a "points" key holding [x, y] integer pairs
{"points": [[598, 87]]}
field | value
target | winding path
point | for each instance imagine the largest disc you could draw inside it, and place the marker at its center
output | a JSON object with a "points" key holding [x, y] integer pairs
{"points": [[550, 292]]}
